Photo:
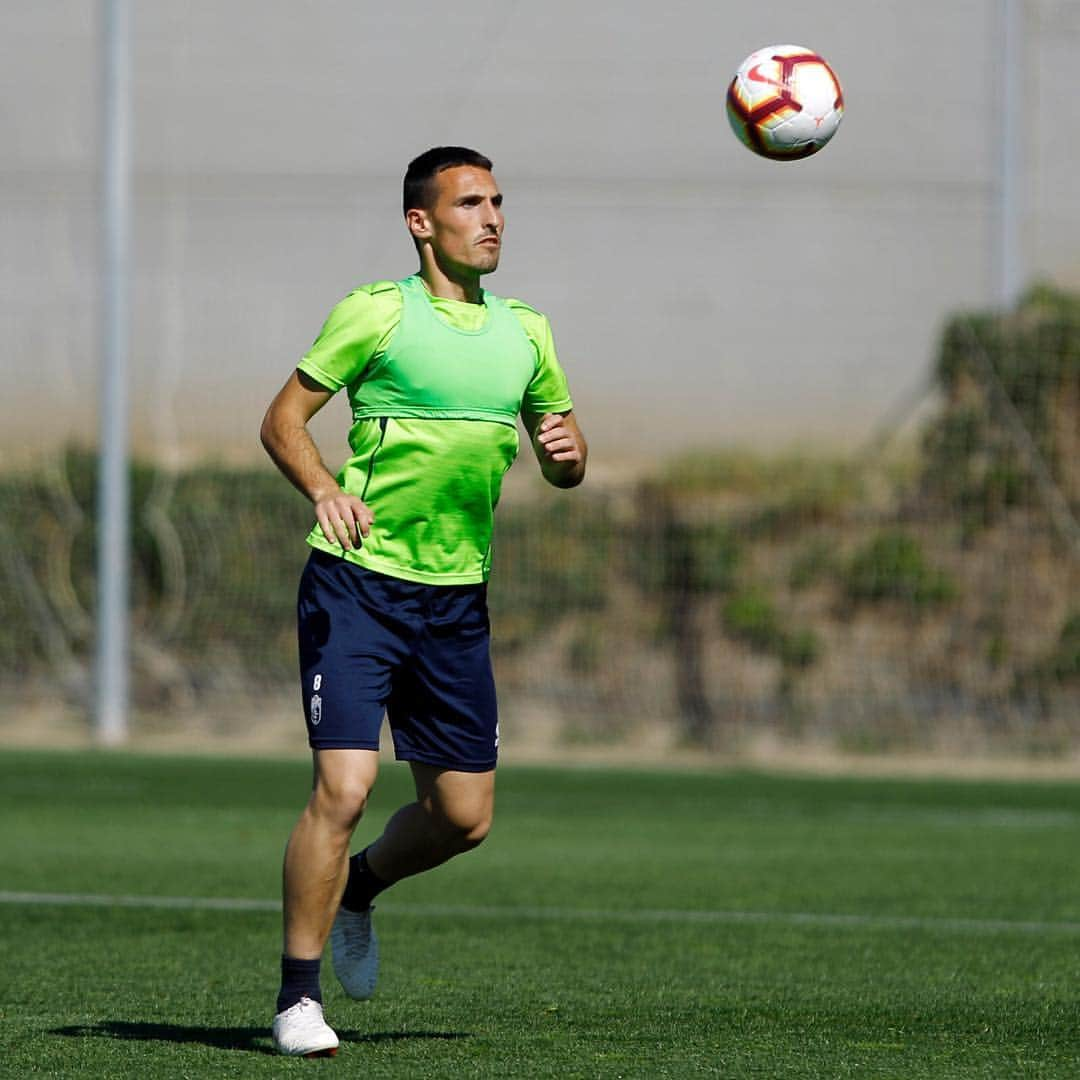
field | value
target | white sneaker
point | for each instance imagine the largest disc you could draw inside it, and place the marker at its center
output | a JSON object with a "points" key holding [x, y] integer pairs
{"points": [[355, 950], [302, 1031]]}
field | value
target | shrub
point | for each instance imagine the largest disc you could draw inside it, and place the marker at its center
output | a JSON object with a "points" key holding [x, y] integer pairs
{"points": [[1030, 356], [892, 567], [751, 616], [1065, 662]]}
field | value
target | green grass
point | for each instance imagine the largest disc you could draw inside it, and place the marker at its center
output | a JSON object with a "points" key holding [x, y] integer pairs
{"points": [[616, 924]]}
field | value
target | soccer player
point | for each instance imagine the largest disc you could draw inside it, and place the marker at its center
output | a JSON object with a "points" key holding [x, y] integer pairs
{"points": [[392, 605]]}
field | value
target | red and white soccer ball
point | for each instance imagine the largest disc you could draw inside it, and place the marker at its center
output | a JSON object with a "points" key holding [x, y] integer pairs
{"points": [[785, 102]]}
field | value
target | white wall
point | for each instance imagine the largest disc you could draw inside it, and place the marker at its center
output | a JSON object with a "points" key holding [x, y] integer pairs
{"points": [[699, 295]]}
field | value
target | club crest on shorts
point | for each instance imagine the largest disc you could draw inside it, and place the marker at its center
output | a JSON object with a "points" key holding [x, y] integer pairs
{"points": [[315, 712]]}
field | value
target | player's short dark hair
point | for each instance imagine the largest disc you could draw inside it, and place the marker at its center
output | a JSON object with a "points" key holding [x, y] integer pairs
{"points": [[418, 188]]}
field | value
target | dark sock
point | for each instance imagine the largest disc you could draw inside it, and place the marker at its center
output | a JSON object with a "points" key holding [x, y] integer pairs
{"points": [[299, 978], [363, 886]]}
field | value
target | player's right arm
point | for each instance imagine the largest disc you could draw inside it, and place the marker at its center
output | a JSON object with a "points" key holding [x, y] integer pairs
{"points": [[343, 518], [353, 332]]}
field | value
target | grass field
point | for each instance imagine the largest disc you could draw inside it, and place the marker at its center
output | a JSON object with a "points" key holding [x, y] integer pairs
{"points": [[616, 923]]}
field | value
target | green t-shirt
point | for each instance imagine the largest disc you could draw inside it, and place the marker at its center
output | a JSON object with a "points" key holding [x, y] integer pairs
{"points": [[435, 386]]}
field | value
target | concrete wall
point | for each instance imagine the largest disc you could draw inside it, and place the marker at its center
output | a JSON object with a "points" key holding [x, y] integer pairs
{"points": [[699, 295]]}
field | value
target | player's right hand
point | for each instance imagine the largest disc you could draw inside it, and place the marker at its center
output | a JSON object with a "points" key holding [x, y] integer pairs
{"points": [[343, 518]]}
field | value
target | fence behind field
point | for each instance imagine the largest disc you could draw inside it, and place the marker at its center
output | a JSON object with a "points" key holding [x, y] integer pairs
{"points": [[885, 591], [925, 596]]}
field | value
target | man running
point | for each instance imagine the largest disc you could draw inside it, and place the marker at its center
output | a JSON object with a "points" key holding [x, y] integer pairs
{"points": [[392, 606]]}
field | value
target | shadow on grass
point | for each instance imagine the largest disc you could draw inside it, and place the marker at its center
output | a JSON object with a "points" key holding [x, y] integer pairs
{"points": [[251, 1039]]}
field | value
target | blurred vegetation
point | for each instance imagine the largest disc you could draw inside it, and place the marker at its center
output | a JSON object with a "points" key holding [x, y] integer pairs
{"points": [[994, 369], [724, 589], [892, 566], [550, 561], [216, 554], [751, 616], [815, 561], [1060, 667]]}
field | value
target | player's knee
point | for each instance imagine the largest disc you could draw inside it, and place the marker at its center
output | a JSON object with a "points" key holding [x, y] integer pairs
{"points": [[476, 835], [343, 802], [468, 830]]}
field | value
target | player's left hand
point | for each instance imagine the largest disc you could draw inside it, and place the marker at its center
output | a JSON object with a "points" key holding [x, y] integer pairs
{"points": [[559, 439], [561, 449]]}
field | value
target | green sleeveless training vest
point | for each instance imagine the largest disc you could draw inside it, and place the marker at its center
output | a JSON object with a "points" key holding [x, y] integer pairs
{"points": [[431, 370]]}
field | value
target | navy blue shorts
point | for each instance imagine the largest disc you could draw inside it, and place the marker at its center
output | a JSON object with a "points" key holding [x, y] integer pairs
{"points": [[372, 644]]}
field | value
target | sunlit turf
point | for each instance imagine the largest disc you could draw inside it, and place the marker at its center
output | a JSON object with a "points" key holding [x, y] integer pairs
{"points": [[616, 923]]}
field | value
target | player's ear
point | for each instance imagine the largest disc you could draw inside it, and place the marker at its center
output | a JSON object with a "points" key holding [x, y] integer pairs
{"points": [[417, 223]]}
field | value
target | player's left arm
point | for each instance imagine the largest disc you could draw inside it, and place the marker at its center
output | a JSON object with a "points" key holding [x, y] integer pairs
{"points": [[546, 409], [559, 445]]}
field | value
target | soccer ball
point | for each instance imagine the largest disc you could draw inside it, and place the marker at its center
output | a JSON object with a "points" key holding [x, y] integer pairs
{"points": [[785, 102]]}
